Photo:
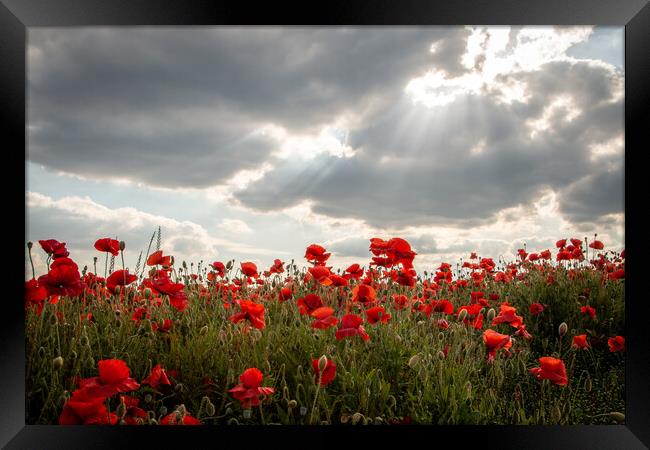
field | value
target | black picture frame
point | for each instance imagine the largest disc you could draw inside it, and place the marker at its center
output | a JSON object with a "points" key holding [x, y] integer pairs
{"points": [[16, 16]]}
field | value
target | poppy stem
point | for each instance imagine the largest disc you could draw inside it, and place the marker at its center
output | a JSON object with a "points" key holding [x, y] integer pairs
{"points": [[29, 250], [261, 414], [106, 266], [313, 407]]}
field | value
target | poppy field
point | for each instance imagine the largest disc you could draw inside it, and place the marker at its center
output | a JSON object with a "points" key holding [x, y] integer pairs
{"points": [[536, 340]]}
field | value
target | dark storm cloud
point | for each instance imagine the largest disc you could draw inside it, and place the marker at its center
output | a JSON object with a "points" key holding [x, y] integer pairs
{"points": [[416, 166], [175, 107]]}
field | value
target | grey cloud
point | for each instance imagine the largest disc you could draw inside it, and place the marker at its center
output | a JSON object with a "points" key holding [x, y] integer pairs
{"points": [[414, 166], [132, 102]]}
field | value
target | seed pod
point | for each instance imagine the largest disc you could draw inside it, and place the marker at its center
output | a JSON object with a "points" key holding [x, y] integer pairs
{"points": [[57, 363], [233, 421], [441, 354], [121, 410], [30, 245], [53, 319], [556, 413], [322, 363], [148, 398], [562, 329], [441, 336], [181, 411], [84, 340], [147, 293], [356, 417], [617, 416], [345, 418], [292, 404], [414, 360], [179, 387]]}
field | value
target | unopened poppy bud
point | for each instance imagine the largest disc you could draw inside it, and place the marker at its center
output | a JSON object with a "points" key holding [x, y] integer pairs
{"points": [[378, 420], [57, 363], [228, 411], [229, 265], [491, 314], [147, 293], [171, 260], [356, 417], [562, 329], [247, 414], [420, 322], [413, 361], [30, 245], [588, 385], [184, 265], [322, 363], [441, 336], [62, 400], [182, 411], [345, 418], [121, 410], [617, 416], [203, 330], [122, 245], [53, 319], [441, 354], [292, 404], [148, 398], [462, 315], [179, 387], [210, 409]]}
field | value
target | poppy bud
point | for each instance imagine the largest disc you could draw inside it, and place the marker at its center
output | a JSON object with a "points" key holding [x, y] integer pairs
{"points": [[121, 410], [184, 265], [491, 314], [147, 293], [413, 361], [378, 420], [292, 404], [30, 245], [203, 330], [617, 416], [322, 363], [588, 385], [209, 408], [122, 245], [247, 414], [179, 387], [345, 418], [462, 315], [181, 411], [171, 260], [562, 329], [356, 417], [229, 265], [57, 363], [420, 322], [228, 411], [148, 398], [556, 413]]}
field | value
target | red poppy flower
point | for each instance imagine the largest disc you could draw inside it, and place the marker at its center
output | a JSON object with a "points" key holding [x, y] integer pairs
{"points": [[443, 324], [494, 341], [277, 267], [114, 377], [119, 278], [354, 271], [251, 311], [576, 242], [316, 254], [285, 294], [55, 248], [443, 306], [324, 318], [404, 277], [521, 331], [162, 284], [172, 419], [309, 303], [363, 293], [351, 326], [377, 314], [164, 326], [588, 310], [561, 243], [401, 301], [83, 409], [508, 314], [551, 369], [321, 274], [157, 378], [63, 279], [616, 344], [134, 414], [249, 390], [157, 258], [219, 267], [580, 342], [597, 245], [249, 269], [546, 254], [108, 245], [35, 294], [328, 373], [536, 308]]}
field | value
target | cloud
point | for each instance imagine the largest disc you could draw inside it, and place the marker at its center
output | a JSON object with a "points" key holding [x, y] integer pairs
{"points": [[186, 107], [461, 164], [235, 226]]}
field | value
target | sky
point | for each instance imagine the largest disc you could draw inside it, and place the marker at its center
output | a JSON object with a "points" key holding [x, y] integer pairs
{"points": [[250, 143]]}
